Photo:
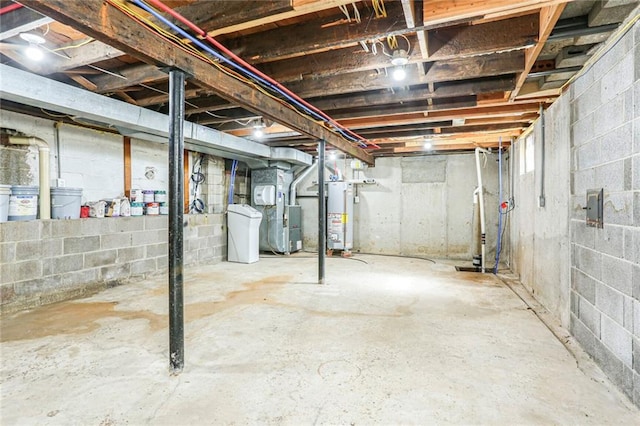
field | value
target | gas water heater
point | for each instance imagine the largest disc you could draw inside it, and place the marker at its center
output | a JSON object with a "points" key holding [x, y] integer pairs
{"points": [[340, 216]]}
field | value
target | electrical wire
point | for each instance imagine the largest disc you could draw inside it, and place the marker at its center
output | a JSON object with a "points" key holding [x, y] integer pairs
{"points": [[75, 46], [379, 8], [189, 49], [244, 67], [232, 181], [197, 177]]}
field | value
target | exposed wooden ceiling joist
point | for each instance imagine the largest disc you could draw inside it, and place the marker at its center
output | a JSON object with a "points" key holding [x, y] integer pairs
{"points": [[106, 23]]}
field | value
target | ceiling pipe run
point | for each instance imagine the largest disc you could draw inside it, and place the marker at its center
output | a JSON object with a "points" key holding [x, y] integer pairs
{"points": [[10, 8], [43, 170]]}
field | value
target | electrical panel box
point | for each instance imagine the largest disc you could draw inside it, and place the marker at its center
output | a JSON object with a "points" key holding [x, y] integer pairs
{"points": [[264, 195], [595, 208]]}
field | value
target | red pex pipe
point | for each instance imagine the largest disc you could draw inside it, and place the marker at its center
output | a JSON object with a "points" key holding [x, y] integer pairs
{"points": [[10, 8], [199, 31]]}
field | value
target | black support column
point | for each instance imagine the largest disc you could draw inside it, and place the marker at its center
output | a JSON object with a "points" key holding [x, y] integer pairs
{"points": [[176, 197], [322, 214]]}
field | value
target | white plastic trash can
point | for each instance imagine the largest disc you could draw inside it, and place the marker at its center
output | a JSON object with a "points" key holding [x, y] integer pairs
{"points": [[243, 223]]}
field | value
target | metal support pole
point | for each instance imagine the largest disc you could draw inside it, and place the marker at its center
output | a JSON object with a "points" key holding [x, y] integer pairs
{"points": [[322, 214], [176, 196]]}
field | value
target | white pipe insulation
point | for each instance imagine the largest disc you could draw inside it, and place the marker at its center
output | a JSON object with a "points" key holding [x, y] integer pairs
{"points": [[483, 236], [43, 170]]}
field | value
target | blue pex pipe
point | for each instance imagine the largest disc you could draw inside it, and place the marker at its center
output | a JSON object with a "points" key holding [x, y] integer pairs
{"points": [[222, 58]]}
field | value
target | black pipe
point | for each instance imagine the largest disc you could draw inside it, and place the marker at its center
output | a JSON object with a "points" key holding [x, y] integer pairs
{"points": [[176, 212], [322, 215]]}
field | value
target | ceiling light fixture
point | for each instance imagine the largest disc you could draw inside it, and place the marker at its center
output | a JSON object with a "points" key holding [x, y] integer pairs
{"points": [[428, 144], [399, 57], [258, 129], [399, 73], [33, 51]]}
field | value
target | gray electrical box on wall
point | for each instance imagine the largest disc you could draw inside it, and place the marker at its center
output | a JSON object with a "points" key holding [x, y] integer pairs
{"points": [[594, 208]]}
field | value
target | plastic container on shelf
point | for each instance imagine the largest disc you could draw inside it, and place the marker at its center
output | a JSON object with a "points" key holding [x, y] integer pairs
{"points": [[23, 203], [65, 203], [5, 193], [164, 208], [137, 209], [160, 196], [153, 209], [148, 196]]}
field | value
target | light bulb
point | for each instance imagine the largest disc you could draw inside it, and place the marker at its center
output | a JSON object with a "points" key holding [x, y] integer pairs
{"points": [[399, 74], [34, 53], [258, 132], [428, 145]]}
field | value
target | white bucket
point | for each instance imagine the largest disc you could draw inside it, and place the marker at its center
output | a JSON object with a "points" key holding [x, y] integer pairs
{"points": [[65, 203], [153, 209], [23, 203], [160, 197], [5, 193], [148, 196]]}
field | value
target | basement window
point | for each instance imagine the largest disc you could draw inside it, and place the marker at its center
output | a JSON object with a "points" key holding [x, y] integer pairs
{"points": [[527, 154]]}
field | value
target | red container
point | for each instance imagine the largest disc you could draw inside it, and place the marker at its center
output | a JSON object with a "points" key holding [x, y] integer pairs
{"points": [[84, 211]]}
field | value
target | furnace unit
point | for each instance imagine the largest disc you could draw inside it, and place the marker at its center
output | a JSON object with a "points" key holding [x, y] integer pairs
{"points": [[340, 216], [280, 229]]}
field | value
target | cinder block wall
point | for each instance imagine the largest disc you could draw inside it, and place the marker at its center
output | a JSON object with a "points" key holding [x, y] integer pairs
{"points": [[44, 261], [605, 275], [593, 142]]}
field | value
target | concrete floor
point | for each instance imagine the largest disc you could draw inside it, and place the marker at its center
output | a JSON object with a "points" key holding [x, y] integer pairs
{"points": [[390, 341]]}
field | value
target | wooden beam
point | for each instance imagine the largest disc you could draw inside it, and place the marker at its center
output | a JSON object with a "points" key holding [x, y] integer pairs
{"points": [[95, 51], [500, 110], [380, 113], [129, 77], [392, 99], [341, 85], [126, 143], [315, 36], [222, 16], [453, 70], [300, 7], [548, 17], [162, 98], [465, 88], [471, 40], [125, 97], [327, 64], [439, 11], [84, 82], [111, 26]]}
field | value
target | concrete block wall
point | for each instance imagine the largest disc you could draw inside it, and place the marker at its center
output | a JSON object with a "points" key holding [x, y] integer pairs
{"points": [[418, 206], [593, 142], [541, 250], [51, 260], [605, 153]]}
